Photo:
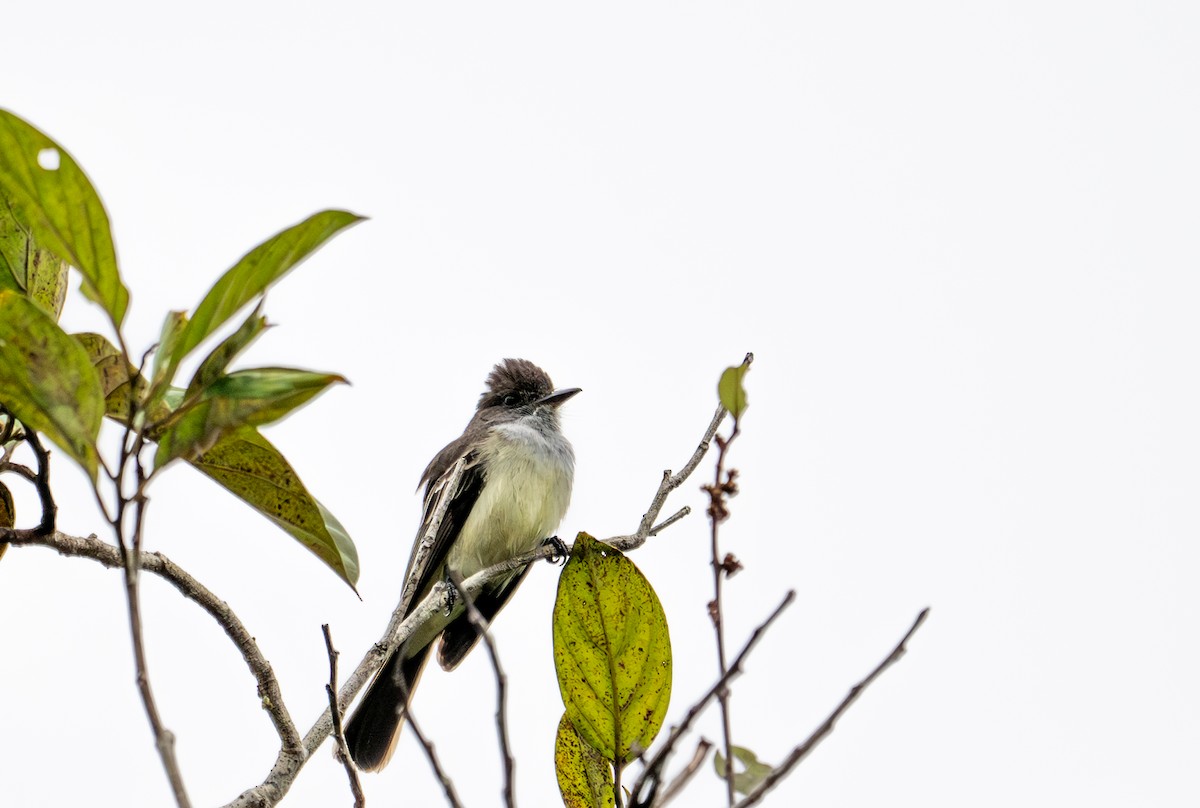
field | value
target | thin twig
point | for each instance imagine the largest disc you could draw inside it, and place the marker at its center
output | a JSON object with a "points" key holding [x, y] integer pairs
{"points": [[431, 754], [802, 751], [657, 762], [343, 751], [164, 739], [717, 513], [668, 484], [670, 520], [129, 464], [481, 628], [158, 564], [685, 776], [723, 486], [42, 483]]}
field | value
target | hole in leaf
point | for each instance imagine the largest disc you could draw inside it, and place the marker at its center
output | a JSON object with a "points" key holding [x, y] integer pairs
{"points": [[48, 159]]}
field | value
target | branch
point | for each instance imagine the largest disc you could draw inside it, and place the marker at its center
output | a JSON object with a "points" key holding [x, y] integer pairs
{"points": [[158, 564], [292, 758], [431, 755], [802, 751], [724, 485], [343, 751], [652, 773], [687, 774], [481, 628], [42, 483], [669, 483]]}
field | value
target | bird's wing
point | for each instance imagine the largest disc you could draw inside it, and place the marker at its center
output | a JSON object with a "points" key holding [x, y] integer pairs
{"points": [[455, 478]]}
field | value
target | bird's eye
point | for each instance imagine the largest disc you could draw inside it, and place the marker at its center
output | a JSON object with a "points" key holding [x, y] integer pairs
{"points": [[510, 401]]}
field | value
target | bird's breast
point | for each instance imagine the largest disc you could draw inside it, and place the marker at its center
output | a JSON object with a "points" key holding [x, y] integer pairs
{"points": [[529, 473]]}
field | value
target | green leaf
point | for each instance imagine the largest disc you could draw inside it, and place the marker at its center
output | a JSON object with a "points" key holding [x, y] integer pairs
{"points": [[731, 390], [256, 271], [163, 369], [753, 771], [47, 278], [26, 267], [119, 380], [585, 778], [242, 398], [249, 466], [54, 198], [218, 361], [47, 380], [612, 651], [14, 242]]}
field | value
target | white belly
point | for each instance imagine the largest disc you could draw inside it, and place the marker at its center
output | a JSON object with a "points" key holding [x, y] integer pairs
{"points": [[524, 498]]}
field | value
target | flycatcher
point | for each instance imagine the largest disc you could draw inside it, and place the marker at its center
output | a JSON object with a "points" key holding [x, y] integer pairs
{"points": [[509, 497]]}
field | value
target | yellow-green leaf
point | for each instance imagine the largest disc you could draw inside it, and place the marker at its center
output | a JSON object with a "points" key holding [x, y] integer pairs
{"points": [[119, 379], [47, 280], [162, 371], [612, 651], [249, 466], [585, 778], [731, 390], [242, 398], [256, 271], [52, 196], [47, 380], [14, 245], [26, 267]]}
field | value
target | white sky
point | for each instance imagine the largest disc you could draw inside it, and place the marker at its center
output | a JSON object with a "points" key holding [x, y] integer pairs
{"points": [[959, 238]]}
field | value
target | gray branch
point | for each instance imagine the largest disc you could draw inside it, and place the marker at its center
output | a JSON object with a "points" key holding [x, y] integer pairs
{"points": [[158, 564]]}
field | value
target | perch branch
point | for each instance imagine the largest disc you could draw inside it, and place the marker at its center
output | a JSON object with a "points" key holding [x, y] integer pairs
{"points": [[295, 751]]}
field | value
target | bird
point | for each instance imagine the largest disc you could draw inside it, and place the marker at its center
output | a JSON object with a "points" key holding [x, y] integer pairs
{"points": [[508, 480]]}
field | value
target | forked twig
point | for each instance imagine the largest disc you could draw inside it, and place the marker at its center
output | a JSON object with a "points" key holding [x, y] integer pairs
{"points": [[343, 750], [802, 751]]}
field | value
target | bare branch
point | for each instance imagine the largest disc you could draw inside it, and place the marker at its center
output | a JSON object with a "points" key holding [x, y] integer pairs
{"points": [[42, 482], [158, 564], [685, 776], [294, 751], [654, 768], [802, 751], [343, 751], [669, 483], [722, 487], [481, 628], [431, 755], [670, 520]]}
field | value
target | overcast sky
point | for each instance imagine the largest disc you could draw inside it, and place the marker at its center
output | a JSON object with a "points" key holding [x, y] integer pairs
{"points": [[960, 239]]}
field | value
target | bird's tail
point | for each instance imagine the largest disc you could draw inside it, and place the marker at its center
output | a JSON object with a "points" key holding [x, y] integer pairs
{"points": [[374, 727]]}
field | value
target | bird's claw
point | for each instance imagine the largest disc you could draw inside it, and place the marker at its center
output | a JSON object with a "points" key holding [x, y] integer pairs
{"points": [[451, 594], [560, 550]]}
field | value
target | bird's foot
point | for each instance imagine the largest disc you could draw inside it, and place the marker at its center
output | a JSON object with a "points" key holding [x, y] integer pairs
{"points": [[451, 594], [560, 550]]}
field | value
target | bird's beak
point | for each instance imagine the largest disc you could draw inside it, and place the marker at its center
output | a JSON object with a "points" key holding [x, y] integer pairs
{"points": [[556, 398]]}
